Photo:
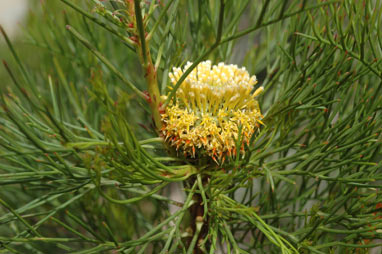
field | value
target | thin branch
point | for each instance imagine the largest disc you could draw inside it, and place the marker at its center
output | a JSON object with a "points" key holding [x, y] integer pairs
{"points": [[141, 29]]}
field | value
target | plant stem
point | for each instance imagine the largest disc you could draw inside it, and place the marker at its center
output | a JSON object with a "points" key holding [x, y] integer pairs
{"points": [[143, 50], [199, 218]]}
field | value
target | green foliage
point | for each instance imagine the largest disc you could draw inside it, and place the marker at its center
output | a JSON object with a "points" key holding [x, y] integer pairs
{"points": [[83, 169]]}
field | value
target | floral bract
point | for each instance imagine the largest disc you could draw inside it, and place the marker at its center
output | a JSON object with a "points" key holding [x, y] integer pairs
{"points": [[212, 105]]}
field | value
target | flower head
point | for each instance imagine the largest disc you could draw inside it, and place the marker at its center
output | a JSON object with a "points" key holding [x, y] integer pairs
{"points": [[214, 104]]}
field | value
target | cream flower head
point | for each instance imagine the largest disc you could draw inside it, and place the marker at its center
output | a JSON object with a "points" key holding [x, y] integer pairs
{"points": [[212, 104]]}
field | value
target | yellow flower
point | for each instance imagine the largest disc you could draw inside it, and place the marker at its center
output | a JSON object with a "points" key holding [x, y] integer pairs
{"points": [[212, 104]]}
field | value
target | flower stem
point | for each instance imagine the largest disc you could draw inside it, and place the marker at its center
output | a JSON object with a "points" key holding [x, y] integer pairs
{"points": [[199, 218]]}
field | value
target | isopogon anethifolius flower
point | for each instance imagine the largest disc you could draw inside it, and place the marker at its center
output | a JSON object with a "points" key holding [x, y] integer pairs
{"points": [[212, 104]]}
